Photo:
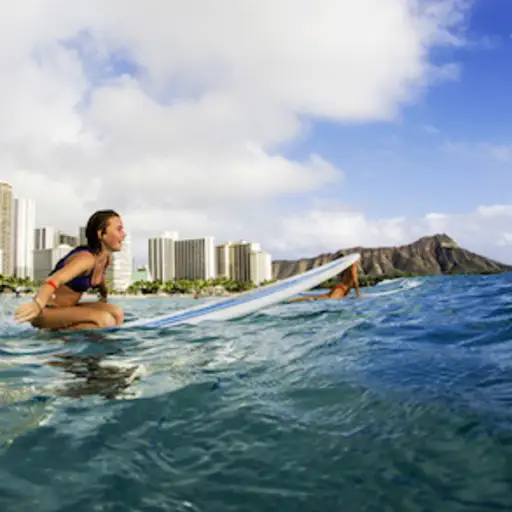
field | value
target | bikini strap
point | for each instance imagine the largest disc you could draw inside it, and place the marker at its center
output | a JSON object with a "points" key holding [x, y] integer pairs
{"points": [[63, 260]]}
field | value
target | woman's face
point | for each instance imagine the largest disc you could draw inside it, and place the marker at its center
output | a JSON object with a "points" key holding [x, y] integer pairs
{"points": [[114, 234]]}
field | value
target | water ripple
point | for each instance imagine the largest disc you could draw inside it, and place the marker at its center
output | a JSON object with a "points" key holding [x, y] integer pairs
{"points": [[398, 401]]}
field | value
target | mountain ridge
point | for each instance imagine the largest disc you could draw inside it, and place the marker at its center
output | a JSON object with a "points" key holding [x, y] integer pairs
{"points": [[428, 255]]}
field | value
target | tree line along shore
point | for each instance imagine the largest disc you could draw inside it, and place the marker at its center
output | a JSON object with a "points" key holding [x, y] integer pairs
{"points": [[217, 286]]}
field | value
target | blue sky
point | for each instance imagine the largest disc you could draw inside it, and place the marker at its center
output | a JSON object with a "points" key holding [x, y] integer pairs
{"points": [[435, 157], [187, 118]]}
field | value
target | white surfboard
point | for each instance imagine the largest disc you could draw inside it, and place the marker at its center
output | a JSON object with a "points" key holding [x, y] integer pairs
{"points": [[252, 300]]}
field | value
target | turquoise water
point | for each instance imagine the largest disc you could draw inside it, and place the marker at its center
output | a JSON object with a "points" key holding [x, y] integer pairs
{"points": [[400, 401]]}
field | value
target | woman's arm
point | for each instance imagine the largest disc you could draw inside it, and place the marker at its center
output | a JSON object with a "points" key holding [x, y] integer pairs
{"points": [[355, 279], [103, 288], [311, 297], [77, 265]]}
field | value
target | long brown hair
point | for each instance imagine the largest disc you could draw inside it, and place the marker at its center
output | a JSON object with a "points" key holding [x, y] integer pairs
{"points": [[98, 221], [346, 276]]}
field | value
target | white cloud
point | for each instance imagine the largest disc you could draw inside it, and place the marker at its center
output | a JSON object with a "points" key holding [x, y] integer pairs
{"points": [[500, 152], [505, 240], [496, 211], [486, 230], [192, 140], [489, 151]]}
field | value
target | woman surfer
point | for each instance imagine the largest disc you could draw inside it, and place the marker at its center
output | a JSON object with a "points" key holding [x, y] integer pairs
{"points": [[349, 280], [56, 305]]}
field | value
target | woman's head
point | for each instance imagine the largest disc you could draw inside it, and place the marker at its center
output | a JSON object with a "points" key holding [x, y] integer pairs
{"points": [[104, 230]]}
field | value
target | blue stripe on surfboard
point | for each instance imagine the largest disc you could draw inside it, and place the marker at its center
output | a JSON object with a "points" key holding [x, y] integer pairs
{"points": [[178, 318]]}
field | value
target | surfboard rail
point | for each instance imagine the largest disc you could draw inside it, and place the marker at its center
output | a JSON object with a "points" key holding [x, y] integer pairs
{"points": [[252, 300]]}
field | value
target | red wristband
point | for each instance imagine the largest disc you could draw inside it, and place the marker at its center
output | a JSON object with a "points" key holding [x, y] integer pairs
{"points": [[51, 283]]}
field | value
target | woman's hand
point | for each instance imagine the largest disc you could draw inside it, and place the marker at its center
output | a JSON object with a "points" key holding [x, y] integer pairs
{"points": [[28, 311]]}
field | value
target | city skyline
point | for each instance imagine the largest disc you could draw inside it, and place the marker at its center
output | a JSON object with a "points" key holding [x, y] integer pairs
{"points": [[389, 127], [78, 237], [37, 248]]}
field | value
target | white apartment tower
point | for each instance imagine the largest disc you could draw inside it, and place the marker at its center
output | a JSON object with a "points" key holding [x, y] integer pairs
{"points": [[24, 227], [6, 228], [46, 259], [119, 274], [161, 256], [261, 267], [195, 258], [82, 239], [240, 260], [244, 261], [222, 256], [44, 238], [66, 239]]}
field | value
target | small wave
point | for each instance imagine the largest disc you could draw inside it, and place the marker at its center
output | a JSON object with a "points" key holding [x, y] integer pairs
{"points": [[403, 285], [390, 281], [263, 411]]}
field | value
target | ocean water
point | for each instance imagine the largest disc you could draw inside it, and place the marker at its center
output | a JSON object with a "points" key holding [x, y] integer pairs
{"points": [[399, 401]]}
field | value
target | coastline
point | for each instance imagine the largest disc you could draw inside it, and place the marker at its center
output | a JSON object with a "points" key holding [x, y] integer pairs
{"points": [[364, 281], [131, 296]]}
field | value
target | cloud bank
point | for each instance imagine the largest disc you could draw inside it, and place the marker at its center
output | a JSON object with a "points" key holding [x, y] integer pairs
{"points": [[176, 113]]}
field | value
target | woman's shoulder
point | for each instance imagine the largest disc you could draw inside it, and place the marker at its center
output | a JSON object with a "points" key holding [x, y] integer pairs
{"points": [[81, 253]]}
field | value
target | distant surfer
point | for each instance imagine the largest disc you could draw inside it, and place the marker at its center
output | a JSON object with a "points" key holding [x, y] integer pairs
{"points": [[349, 280], [56, 305]]}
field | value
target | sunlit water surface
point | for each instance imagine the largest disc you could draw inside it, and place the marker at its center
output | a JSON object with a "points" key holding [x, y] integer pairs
{"points": [[399, 401]]}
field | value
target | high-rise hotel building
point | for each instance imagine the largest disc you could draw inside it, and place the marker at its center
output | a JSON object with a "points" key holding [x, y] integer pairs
{"points": [[161, 256], [119, 274], [66, 238], [195, 258], [261, 267], [24, 228], [243, 261], [171, 258], [46, 259], [82, 239], [6, 229], [222, 252], [240, 260], [44, 238]]}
